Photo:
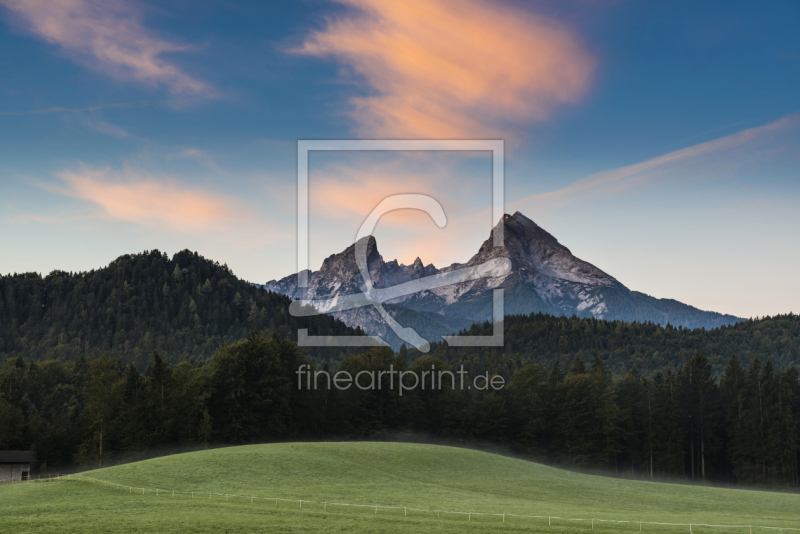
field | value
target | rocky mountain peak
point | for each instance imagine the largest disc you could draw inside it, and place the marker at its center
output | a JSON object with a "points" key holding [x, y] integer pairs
{"points": [[518, 227], [344, 263], [532, 250], [545, 277]]}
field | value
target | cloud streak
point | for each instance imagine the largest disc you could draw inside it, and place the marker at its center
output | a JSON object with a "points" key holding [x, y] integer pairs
{"points": [[711, 157], [150, 201], [108, 36], [343, 191], [452, 68], [65, 110], [105, 127]]}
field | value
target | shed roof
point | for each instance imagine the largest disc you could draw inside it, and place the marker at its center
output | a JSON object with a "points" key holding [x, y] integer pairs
{"points": [[17, 457]]}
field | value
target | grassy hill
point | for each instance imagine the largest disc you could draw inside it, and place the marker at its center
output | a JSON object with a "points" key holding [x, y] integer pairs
{"points": [[424, 477]]}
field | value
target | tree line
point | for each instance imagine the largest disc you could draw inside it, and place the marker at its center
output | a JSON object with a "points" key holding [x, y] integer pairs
{"points": [[738, 428], [185, 307], [543, 339]]}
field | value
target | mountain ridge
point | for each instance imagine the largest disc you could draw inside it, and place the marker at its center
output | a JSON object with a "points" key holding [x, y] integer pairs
{"points": [[545, 277]]}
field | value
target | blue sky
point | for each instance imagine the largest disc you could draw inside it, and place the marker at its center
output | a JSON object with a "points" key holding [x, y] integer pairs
{"points": [[657, 140]]}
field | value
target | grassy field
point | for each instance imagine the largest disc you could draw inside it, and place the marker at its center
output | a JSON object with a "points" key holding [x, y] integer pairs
{"points": [[424, 477]]}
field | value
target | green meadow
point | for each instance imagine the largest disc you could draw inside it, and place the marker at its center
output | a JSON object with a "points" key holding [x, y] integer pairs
{"points": [[426, 480]]}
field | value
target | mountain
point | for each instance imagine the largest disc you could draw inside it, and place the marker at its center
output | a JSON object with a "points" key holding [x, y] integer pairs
{"points": [[184, 307], [544, 277], [340, 276]]}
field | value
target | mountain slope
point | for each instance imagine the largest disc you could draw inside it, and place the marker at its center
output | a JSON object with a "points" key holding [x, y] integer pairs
{"points": [[184, 307], [545, 277]]}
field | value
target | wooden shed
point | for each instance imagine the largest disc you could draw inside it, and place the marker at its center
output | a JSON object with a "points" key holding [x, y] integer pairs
{"points": [[15, 466]]}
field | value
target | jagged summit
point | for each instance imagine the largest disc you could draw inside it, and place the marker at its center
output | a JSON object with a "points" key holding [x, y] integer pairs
{"points": [[345, 261], [532, 249], [545, 277]]}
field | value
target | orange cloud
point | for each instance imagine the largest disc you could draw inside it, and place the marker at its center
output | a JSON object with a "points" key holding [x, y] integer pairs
{"points": [[452, 68], [108, 36], [343, 194], [143, 199], [335, 197], [350, 190]]}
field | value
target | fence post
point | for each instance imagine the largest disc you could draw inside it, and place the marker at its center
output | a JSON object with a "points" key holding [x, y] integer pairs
{"points": [[548, 520], [437, 514], [326, 506], [301, 503], [405, 511], [504, 518], [376, 509], [469, 516], [690, 528]]}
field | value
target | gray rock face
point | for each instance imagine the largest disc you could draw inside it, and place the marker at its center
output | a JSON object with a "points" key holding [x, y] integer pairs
{"points": [[545, 277], [339, 275]]}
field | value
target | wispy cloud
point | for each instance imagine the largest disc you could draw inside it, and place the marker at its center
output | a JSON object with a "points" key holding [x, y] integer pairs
{"points": [[152, 201], [108, 35], [202, 157], [105, 127], [351, 186], [335, 197], [189, 153], [29, 217], [344, 191], [722, 155], [452, 68], [57, 109]]}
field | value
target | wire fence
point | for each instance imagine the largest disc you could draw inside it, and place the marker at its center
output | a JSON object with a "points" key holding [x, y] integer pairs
{"points": [[406, 509]]}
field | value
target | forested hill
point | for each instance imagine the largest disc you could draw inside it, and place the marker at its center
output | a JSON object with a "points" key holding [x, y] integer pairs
{"points": [[621, 346], [185, 307]]}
